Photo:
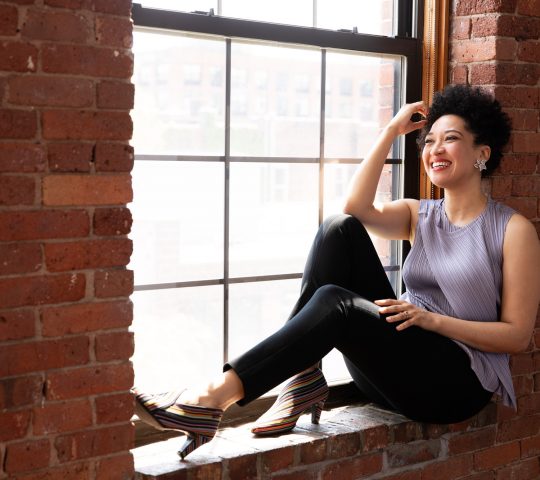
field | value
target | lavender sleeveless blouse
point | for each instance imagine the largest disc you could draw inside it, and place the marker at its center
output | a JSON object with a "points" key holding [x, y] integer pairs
{"points": [[457, 271]]}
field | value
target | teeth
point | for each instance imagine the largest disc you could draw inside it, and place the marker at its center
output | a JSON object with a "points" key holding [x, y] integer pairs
{"points": [[440, 164]]}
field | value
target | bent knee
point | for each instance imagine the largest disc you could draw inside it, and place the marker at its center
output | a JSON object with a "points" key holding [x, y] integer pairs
{"points": [[340, 223]]}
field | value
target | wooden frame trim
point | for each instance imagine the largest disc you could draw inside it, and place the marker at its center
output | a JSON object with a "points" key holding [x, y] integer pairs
{"points": [[434, 68]]}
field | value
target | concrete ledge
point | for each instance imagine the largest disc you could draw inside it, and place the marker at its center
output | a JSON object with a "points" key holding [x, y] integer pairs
{"points": [[358, 441]]}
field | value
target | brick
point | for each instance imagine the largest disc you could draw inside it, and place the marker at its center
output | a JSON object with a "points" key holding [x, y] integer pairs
{"points": [[119, 467], [94, 443], [39, 290], [86, 317], [62, 417], [114, 346], [504, 73], [18, 57], [21, 158], [114, 408], [523, 385], [529, 404], [114, 157], [525, 205], [113, 283], [87, 189], [529, 51], [16, 324], [468, 7], [278, 459], [521, 164], [343, 445], [9, 20], [81, 255], [408, 475], [353, 468], [19, 258], [17, 190], [524, 470], [448, 469], [112, 221], [51, 91], [406, 432], [77, 471], [526, 186], [87, 60], [485, 25], [114, 31], [530, 447], [14, 425], [70, 156], [459, 74], [414, 452], [72, 4], [496, 456], [115, 95], [374, 438], [523, 119], [27, 456], [20, 358], [528, 7], [43, 224], [18, 124], [501, 187], [526, 142], [307, 474], [82, 382], [518, 428], [313, 452], [480, 476], [479, 50], [471, 441], [115, 7], [517, 97], [86, 125], [17, 392], [58, 26], [460, 28]]}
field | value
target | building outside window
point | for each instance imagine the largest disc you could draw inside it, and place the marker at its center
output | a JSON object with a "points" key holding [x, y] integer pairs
{"points": [[238, 161]]}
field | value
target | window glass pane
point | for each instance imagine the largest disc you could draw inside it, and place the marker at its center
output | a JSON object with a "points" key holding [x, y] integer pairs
{"points": [[298, 12], [258, 309], [181, 5], [374, 17], [274, 214], [177, 221], [275, 101], [179, 95], [174, 330], [359, 102]]}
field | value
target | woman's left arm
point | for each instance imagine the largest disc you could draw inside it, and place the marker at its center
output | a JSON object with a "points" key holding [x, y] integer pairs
{"points": [[519, 301]]}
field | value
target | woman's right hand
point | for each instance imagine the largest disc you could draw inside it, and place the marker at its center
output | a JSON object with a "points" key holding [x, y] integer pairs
{"points": [[402, 122]]}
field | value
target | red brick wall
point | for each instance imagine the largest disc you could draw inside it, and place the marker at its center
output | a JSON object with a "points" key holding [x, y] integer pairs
{"points": [[65, 96]]}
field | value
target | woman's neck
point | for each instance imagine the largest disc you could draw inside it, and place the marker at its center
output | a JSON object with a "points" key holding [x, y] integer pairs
{"points": [[463, 207]]}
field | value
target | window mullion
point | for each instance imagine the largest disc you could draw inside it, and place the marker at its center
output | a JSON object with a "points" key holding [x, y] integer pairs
{"points": [[226, 189]]}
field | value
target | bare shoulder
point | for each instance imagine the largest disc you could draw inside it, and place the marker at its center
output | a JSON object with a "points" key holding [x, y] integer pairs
{"points": [[519, 229]]}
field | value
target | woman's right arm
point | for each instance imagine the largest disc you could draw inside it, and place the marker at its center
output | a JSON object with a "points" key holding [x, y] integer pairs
{"points": [[391, 220]]}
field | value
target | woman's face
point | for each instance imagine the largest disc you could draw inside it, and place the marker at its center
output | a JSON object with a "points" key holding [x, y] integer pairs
{"points": [[449, 152]]}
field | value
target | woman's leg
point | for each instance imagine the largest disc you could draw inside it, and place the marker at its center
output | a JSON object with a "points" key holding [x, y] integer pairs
{"points": [[343, 254], [421, 374]]}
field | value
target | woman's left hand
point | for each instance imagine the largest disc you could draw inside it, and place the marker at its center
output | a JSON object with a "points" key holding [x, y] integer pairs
{"points": [[409, 314]]}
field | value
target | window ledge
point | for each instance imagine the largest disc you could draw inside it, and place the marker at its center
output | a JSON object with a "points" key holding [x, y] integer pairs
{"points": [[361, 437]]}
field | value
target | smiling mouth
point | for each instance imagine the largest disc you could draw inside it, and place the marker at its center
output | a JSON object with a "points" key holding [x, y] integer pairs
{"points": [[440, 165]]}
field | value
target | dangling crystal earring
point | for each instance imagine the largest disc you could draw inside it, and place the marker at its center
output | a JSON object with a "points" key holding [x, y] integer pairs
{"points": [[480, 164]]}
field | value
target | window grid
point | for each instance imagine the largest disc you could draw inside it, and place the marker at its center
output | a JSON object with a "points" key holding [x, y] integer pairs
{"points": [[146, 17]]}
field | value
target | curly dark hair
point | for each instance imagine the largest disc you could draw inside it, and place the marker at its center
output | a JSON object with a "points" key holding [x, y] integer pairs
{"points": [[481, 113]]}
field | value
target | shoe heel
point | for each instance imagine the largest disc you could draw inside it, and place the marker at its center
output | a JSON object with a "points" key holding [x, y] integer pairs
{"points": [[192, 442], [316, 411]]}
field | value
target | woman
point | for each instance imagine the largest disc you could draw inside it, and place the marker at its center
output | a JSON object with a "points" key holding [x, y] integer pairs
{"points": [[439, 352]]}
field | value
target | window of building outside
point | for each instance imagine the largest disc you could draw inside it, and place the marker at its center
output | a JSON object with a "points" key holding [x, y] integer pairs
{"points": [[243, 144]]}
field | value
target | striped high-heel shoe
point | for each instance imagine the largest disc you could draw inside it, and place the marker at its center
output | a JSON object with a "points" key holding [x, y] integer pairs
{"points": [[304, 392], [161, 411]]}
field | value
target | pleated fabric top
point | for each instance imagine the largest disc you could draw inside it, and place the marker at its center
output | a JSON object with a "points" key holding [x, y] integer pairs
{"points": [[457, 271]]}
